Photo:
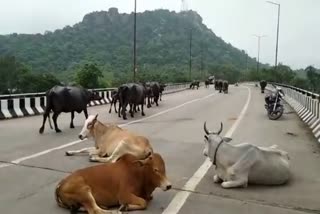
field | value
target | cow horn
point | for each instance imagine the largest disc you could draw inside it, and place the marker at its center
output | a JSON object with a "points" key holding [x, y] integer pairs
{"points": [[221, 127], [205, 128]]}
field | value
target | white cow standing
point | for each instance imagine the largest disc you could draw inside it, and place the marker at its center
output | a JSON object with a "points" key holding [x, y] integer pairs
{"points": [[238, 165]]}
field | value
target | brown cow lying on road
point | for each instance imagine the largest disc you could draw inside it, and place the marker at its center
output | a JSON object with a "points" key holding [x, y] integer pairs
{"points": [[129, 183], [111, 142]]}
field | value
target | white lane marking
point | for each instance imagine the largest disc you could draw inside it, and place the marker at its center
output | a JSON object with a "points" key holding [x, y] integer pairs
{"points": [[5, 165], [122, 125], [181, 197]]}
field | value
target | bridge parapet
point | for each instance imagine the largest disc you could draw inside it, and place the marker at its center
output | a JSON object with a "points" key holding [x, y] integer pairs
{"points": [[306, 104], [28, 104]]}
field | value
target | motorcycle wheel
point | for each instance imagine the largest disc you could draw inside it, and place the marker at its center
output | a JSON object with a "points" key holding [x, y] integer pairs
{"points": [[275, 115]]}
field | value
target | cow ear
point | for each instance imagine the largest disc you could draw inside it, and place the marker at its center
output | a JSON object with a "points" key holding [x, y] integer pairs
{"points": [[96, 117], [142, 162], [227, 139]]}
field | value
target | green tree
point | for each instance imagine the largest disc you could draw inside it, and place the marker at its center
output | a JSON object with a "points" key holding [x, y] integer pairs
{"points": [[8, 72], [30, 82], [88, 76], [314, 78]]}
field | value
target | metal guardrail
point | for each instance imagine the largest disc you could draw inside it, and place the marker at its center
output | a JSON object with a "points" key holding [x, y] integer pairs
{"points": [[306, 104], [308, 93]]}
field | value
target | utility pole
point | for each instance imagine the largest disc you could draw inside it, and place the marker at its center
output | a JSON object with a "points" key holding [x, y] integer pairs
{"points": [[258, 61], [184, 5], [246, 62], [190, 56], [201, 63], [134, 42], [277, 43]]}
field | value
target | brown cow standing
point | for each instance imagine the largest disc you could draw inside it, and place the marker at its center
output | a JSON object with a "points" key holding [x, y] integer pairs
{"points": [[129, 182]]}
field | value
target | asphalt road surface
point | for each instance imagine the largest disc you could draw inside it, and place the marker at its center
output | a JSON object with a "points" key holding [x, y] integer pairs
{"points": [[175, 129]]}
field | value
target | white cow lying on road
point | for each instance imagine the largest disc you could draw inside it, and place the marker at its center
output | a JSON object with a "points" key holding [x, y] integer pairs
{"points": [[111, 142], [238, 165]]}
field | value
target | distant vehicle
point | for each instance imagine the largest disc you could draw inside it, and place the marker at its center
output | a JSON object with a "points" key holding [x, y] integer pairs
{"points": [[211, 80]]}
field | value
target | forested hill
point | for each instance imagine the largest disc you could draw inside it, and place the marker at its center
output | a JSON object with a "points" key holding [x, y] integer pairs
{"points": [[106, 38]]}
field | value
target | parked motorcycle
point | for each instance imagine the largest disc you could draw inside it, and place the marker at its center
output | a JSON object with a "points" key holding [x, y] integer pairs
{"points": [[274, 105]]}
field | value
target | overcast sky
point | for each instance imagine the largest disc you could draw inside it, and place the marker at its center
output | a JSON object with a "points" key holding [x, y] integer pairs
{"points": [[235, 21]]}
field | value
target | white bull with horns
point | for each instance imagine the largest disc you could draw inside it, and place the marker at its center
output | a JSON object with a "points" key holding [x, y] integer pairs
{"points": [[238, 165]]}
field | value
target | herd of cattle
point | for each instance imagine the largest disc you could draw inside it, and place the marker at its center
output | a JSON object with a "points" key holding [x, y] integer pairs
{"points": [[220, 85], [131, 169], [75, 99], [135, 95]]}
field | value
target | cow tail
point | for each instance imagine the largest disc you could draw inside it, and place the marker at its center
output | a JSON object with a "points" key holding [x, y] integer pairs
{"points": [[74, 208], [49, 120], [49, 106], [58, 198]]}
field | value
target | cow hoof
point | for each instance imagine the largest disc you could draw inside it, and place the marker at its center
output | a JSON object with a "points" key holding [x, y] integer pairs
{"points": [[123, 207], [58, 130], [149, 198], [143, 114], [41, 130], [71, 126], [68, 153], [225, 185], [216, 179], [93, 159]]}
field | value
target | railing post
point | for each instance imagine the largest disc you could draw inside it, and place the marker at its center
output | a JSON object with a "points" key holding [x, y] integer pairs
{"points": [[318, 109]]}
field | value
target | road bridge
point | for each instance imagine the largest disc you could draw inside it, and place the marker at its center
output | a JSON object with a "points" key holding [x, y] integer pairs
{"points": [[32, 164]]}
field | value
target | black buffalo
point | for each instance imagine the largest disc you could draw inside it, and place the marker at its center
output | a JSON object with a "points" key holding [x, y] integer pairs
{"points": [[218, 85], [225, 86], [207, 83], [195, 83], [263, 85], [149, 93], [132, 94], [155, 90], [67, 99], [211, 80]]}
